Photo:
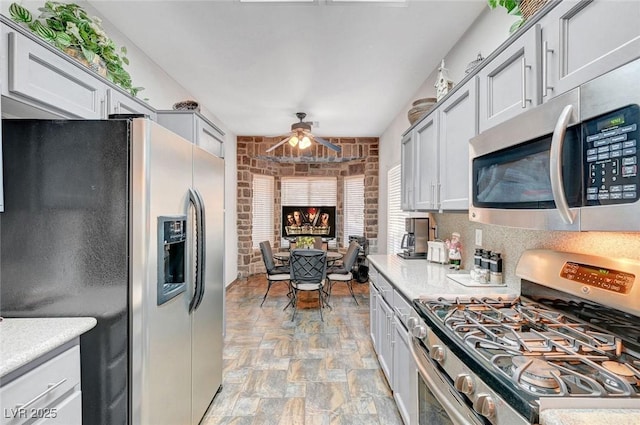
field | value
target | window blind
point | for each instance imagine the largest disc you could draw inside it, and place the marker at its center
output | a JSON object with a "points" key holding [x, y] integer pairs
{"points": [[309, 191], [263, 217], [395, 215], [353, 207]]}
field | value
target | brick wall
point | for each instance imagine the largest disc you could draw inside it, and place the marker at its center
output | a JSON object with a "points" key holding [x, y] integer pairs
{"points": [[359, 156]]}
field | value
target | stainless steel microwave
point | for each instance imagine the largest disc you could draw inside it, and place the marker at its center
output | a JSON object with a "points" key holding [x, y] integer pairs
{"points": [[568, 164]]}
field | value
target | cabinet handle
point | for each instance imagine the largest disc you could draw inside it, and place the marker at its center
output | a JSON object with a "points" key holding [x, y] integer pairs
{"points": [[433, 195], [439, 194], [102, 108], [545, 69], [524, 82], [50, 388]]}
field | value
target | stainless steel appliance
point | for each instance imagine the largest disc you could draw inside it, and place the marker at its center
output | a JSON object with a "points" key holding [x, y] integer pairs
{"points": [[414, 242], [569, 164], [120, 220], [571, 340]]}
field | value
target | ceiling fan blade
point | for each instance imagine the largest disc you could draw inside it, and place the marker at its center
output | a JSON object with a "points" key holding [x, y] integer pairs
{"points": [[327, 144], [280, 143]]}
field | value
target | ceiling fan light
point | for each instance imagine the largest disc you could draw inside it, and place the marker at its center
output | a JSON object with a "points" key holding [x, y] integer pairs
{"points": [[305, 142], [293, 141]]}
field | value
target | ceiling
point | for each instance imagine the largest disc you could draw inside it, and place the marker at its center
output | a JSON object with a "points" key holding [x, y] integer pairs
{"points": [[351, 66]]}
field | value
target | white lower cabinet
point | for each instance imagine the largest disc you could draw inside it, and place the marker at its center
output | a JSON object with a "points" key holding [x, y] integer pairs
{"points": [[389, 314], [47, 394], [405, 375], [385, 338], [373, 314]]}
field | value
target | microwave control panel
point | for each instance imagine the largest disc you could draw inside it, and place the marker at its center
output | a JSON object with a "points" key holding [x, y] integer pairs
{"points": [[611, 157]]}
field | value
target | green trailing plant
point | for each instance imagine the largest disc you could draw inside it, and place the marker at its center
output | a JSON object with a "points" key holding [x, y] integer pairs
{"points": [[513, 8], [68, 26]]}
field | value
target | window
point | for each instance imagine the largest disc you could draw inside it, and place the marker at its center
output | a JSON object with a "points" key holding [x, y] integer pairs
{"points": [[395, 215], [353, 207], [263, 217], [309, 191]]}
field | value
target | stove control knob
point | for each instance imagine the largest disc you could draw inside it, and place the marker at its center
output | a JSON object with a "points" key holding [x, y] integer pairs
{"points": [[419, 331], [412, 322], [485, 405], [437, 353], [464, 384]]}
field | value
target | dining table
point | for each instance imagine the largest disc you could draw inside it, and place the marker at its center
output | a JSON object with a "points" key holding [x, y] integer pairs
{"points": [[283, 256]]}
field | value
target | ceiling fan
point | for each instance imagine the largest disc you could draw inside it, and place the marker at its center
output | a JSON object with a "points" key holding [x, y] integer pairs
{"points": [[301, 136]]}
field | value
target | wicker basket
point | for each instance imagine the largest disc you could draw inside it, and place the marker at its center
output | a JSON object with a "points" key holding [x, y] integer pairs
{"points": [[529, 7]]}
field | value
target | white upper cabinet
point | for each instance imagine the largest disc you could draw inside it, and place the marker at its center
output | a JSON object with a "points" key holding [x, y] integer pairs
{"points": [[407, 177], [119, 103], [584, 39], [195, 128], [426, 165], [38, 81], [435, 154], [508, 85], [36, 75], [458, 123]]}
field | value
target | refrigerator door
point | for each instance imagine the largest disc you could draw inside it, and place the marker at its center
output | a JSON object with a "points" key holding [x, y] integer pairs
{"points": [[161, 176], [65, 246], [207, 318]]}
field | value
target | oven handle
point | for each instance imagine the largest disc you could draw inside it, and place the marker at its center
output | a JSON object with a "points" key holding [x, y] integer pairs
{"points": [[555, 165], [440, 393]]}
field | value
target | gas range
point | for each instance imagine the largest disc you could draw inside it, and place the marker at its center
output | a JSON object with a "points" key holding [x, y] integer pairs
{"points": [[572, 336]]}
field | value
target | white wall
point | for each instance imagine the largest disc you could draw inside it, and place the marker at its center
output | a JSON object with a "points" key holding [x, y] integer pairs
{"points": [[487, 33], [162, 92]]}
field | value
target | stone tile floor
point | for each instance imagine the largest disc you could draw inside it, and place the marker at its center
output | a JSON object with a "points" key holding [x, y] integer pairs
{"points": [[306, 372]]}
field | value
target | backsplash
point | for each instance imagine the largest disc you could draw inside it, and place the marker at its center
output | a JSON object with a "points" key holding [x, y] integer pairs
{"points": [[512, 242]]}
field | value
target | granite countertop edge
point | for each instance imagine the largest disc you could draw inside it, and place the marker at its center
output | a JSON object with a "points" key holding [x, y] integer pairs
{"points": [[23, 340]]}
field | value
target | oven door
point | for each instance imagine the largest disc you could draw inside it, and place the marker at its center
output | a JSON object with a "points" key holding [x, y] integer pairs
{"points": [[439, 403], [527, 172]]}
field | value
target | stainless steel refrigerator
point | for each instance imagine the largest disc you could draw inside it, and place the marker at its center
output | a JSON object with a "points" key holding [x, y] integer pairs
{"points": [[121, 220]]}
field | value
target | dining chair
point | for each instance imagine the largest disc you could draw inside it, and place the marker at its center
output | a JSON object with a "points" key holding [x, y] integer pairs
{"points": [[274, 273], [319, 244], [343, 272], [308, 273]]}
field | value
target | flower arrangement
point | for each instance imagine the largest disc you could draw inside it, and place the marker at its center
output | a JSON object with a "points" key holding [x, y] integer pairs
{"points": [[305, 241], [69, 28]]}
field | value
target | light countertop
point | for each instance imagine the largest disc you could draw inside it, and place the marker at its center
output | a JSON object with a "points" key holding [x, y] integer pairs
{"points": [[590, 417], [25, 339], [419, 278]]}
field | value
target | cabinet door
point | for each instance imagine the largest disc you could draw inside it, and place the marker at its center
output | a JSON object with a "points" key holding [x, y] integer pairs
{"points": [[509, 83], [373, 315], [385, 317], [407, 160], [458, 124], [426, 172], [41, 77], [209, 139], [582, 40], [120, 103], [405, 375]]}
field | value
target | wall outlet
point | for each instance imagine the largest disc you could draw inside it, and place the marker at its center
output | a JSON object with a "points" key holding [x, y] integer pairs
{"points": [[478, 237]]}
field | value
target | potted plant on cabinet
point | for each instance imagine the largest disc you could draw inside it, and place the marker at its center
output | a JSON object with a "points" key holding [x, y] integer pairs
{"points": [[513, 8], [68, 27]]}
